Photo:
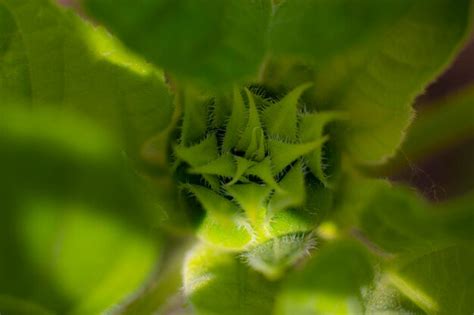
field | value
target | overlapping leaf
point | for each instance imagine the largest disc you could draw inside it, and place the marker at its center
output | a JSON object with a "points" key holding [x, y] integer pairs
{"points": [[72, 216]]}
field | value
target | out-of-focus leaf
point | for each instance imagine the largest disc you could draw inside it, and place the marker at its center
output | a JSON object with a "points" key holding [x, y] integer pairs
{"points": [[274, 257], [163, 293], [71, 225], [50, 56], [410, 55], [223, 225], [195, 117], [439, 126], [438, 281], [329, 284], [318, 29], [218, 283], [399, 220], [210, 41], [377, 84]]}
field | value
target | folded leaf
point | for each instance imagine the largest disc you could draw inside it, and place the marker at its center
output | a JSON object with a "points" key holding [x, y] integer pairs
{"points": [[253, 122], [222, 166], [199, 154], [252, 198], [294, 190], [223, 225], [283, 153], [236, 123], [312, 128], [281, 119]]}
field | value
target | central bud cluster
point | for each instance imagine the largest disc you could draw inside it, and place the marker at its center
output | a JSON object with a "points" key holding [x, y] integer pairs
{"points": [[256, 168]]}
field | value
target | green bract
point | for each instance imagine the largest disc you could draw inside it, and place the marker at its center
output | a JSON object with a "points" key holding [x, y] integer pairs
{"points": [[255, 174]]}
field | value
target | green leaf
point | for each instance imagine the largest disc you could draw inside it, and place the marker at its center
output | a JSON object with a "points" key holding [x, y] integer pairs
{"points": [[294, 190], [223, 225], [252, 198], [53, 57], [236, 123], [242, 166], [407, 222], [199, 154], [378, 86], [441, 125], [318, 202], [14, 306], [312, 128], [280, 119], [218, 283], [438, 282], [264, 171], [329, 284], [195, 117], [317, 29], [253, 123], [73, 216], [256, 150], [278, 254], [213, 42], [284, 153], [222, 166]]}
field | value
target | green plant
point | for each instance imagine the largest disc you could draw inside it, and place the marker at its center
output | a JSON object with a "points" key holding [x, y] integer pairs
{"points": [[229, 173]]}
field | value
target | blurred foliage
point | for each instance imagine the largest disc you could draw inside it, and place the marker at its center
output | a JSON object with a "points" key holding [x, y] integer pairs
{"points": [[72, 230], [249, 124]]}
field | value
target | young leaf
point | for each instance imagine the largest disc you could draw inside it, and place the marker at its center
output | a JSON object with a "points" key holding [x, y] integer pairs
{"points": [[242, 166], [218, 283], [223, 225], [236, 123], [283, 153], [312, 128], [253, 199], [195, 117], [294, 190], [253, 123], [280, 119], [264, 171], [199, 154], [256, 150], [275, 256], [222, 166], [214, 43]]}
